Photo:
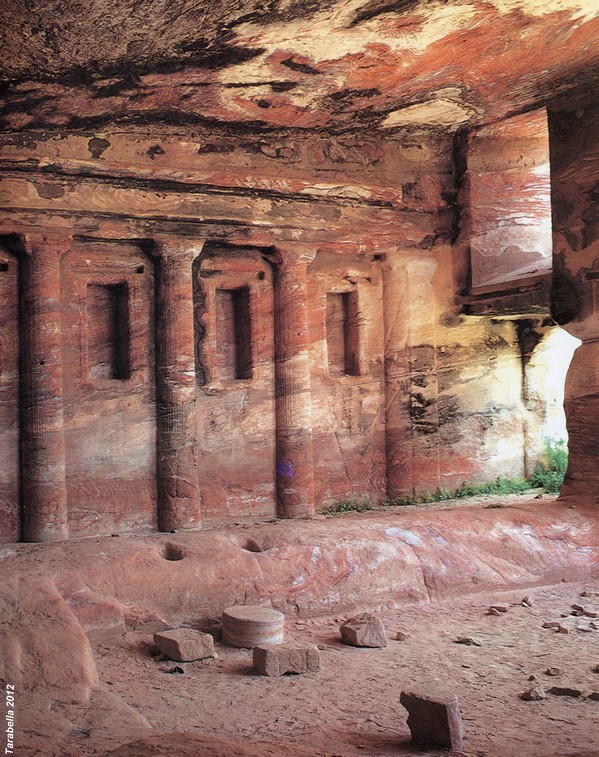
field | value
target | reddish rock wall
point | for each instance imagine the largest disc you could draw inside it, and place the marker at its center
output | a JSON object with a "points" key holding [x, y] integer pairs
{"points": [[575, 202], [330, 359]]}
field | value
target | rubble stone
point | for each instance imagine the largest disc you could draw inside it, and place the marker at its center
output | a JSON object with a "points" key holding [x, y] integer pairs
{"points": [[364, 631], [564, 691], [434, 721], [184, 644], [278, 659], [533, 695]]}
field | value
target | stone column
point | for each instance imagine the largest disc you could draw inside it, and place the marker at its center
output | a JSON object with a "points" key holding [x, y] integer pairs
{"points": [[398, 441], [574, 153], [43, 483], [179, 505], [295, 462]]}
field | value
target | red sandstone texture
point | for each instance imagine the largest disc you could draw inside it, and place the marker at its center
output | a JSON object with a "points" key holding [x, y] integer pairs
{"points": [[79, 618]]}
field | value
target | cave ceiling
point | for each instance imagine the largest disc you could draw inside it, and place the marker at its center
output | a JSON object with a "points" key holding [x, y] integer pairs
{"points": [[327, 65]]}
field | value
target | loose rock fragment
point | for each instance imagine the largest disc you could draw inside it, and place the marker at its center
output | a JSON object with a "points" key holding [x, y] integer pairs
{"points": [[278, 659], [434, 721], [553, 672], [534, 694], [564, 691], [176, 669], [401, 636], [562, 629], [551, 624], [493, 609], [468, 641], [594, 695], [528, 601], [364, 631], [184, 644]]}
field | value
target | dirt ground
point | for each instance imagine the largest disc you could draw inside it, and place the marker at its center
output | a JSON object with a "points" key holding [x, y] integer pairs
{"points": [[138, 705], [351, 707]]}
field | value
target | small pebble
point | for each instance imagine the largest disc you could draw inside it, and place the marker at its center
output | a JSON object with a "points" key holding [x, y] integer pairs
{"points": [[401, 636], [468, 641], [528, 601], [553, 672], [500, 608]]}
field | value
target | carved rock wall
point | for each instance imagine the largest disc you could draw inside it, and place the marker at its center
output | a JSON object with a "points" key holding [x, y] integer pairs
{"points": [[361, 381]]}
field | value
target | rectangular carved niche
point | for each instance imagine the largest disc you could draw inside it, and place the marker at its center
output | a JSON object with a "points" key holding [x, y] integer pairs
{"points": [[108, 331], [233, 333], [343, 333]]}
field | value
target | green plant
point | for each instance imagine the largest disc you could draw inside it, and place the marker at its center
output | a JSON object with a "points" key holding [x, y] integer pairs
{"points": [[550, 473], [351, 504]]}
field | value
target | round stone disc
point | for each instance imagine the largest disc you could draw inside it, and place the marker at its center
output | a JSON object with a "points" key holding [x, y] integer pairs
{"points": [[250, 625]]}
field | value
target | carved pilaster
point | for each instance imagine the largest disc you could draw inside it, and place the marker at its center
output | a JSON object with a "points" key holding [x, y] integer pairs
{"points": [[179, 505], [43, 487], [295, 463]]}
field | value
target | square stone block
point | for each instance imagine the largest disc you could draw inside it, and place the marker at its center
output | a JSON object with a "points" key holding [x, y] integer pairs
{"points": [[433, 720], [184, 644], [278, 659]]}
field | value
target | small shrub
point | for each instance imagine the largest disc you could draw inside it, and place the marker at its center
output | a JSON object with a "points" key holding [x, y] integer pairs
{"points": [[352, 504], [550, 473]]}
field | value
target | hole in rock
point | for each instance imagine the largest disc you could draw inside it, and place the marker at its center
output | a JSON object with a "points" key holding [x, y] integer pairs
{"points": [[173, 552], [251, 545]]}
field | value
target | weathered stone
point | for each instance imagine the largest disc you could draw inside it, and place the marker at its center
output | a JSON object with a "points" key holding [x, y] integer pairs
{"points": [[564, 691], [468, 641], [279, 659], [533, 695], [553, 672], [364, 630], [184, 644], [498, 609], [249, 625], [434, 721]]}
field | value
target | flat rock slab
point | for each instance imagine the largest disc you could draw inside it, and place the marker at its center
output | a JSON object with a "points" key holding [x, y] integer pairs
{"points": [[184, 644], [250, 625], [364, 631], [434, 721], [278, 659]]}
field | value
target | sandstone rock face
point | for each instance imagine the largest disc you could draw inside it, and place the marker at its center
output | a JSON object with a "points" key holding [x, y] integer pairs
{"points": [[364, 631], [279, 659], [434, 721], [363, 308], [184, 644]]}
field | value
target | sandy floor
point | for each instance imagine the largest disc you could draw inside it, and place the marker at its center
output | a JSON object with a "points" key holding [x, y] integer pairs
{"points": [[351, 707]]}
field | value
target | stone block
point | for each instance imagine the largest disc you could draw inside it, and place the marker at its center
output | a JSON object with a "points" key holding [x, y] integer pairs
{"points": [[279, 659], [184, 644], [434, 721], [248, 625], [364, 631]]}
